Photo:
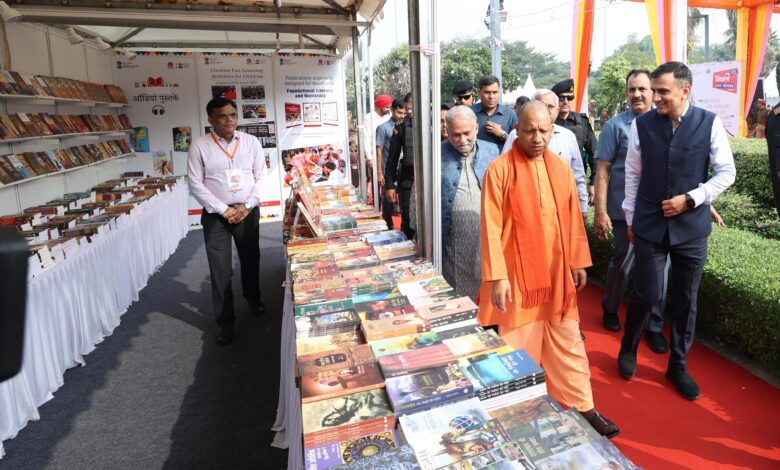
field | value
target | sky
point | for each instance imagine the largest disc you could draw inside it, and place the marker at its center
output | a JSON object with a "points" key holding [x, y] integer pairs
{"points": [[544, 25]]}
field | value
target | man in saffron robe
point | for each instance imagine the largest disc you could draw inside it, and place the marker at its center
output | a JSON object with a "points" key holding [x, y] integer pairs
{"points": [[534, 255]]}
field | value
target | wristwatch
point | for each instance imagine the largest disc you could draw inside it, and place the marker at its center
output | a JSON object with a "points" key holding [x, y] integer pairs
{"points": [[248, 206], [503, 135], [689, 201]]}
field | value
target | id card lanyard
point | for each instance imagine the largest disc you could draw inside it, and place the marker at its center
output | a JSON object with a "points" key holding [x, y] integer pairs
{"points": [[224, 150], [233, 176]]}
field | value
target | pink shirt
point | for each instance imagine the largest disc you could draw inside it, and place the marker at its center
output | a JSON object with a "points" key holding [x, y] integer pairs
{"points": [[206, 165]]}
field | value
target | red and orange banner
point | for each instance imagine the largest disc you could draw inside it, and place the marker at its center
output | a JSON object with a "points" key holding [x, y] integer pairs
{"points": [[752, 38], [582, 40]]}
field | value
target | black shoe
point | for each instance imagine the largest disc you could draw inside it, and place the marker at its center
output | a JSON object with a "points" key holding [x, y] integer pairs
{"points": [[657, 342], [611, 320], [225, 334], [602, 425], [256, 307], [582, 335], [684, 383], [626, 364]]}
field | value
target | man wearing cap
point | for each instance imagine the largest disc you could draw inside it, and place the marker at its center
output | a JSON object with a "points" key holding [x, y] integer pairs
{"points": [[495, 120], [371, 121], [463, 93], [577, 123]]}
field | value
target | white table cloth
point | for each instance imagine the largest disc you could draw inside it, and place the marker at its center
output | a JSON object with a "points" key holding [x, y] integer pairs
{"points": [[75, 304], [288, 425]]}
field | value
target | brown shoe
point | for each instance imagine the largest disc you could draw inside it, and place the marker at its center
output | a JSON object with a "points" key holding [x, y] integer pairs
{"points": [[602, 425]]}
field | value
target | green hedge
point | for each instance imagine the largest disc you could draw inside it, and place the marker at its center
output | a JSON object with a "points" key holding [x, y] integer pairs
{"points": [[741, 211], [739, 297], [752, 162]]}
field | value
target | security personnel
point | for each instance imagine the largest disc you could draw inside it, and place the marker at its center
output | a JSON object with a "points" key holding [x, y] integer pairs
{"points": [[579, 124], [773, 144], [399, 179]]}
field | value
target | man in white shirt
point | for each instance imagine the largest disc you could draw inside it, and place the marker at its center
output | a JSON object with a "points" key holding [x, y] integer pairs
{"points": [[371, 121], [564, 143], [225, 168], [667, 208]]}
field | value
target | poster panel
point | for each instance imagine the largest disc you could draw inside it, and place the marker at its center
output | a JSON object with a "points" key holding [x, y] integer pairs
{"points": [[247, 79], [161, 89], [716, 88], [311, 115]]}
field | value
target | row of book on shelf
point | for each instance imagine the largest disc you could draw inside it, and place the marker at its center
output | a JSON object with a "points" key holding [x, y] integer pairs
{"points": [[26, 125], [59, 228], [25, 165], [14, 83], [393, 368]]}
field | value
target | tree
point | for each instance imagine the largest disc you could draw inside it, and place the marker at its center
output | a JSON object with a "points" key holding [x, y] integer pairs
{"points": [[612, 83], [392, 75], [471, 60]]}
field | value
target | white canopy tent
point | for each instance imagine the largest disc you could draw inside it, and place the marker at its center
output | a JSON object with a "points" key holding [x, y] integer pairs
{"points": [[528, 89]]}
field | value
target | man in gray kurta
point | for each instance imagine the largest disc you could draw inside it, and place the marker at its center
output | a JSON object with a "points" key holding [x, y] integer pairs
{"points": [[464, 160]]}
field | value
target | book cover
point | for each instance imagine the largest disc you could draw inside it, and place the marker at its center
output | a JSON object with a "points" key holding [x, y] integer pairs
{"points": [[182, 137], [335, 359], [408, 362], [457, 309], [427, 388], [456, 330], [505, 457], [330, 414], [139, 139], [551, 434], [407, 324], [474, 343], [404, 343], [318, 344], [495, 370], [326, 320], [163, 163], [451, 433], [349, 451], [424, 287], [335, 383], [597, 454], [402, 458], [325, 307]]}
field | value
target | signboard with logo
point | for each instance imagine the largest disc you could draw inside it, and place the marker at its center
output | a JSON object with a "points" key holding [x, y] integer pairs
{"points": [[716, 88], [247, 79], [311, 115], [161, 90]]}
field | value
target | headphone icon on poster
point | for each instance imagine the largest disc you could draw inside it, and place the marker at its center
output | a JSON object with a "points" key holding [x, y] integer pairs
{"points": [[158, 110]]}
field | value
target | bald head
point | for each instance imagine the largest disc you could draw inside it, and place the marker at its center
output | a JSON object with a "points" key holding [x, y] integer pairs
{"points": [[534, 128]]}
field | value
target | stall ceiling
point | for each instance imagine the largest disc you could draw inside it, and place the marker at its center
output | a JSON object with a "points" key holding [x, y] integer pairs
{"points": [[224, 24]]}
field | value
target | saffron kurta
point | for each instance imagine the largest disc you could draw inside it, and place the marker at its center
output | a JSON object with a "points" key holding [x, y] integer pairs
{"points": [[498, 248]]}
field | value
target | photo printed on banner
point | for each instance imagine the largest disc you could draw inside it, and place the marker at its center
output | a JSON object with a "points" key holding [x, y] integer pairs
{"points": [[163, 163], [320, 163], [139, 139], [182, 137]]}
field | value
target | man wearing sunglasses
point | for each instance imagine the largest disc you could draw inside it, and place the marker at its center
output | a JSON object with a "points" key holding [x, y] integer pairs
{"points": [[463, 93], [579, 124]]}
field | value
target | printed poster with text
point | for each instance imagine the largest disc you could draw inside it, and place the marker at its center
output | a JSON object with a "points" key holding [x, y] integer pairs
{"points": [[246, 78], [161, 90], [716, 88], [311, 116]]}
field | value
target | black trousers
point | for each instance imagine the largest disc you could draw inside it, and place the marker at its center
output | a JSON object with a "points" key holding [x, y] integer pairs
{"points": [[687, 265], [404, 197], [219, 235], [387, 209]]}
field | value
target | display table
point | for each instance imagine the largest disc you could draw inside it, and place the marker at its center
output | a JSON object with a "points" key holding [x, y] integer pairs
{"points": [[75, 304], [288, 425]]}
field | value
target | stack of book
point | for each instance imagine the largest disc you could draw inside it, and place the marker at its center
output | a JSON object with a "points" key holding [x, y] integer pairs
{"points": [[30, 164], [14, 83], [26, 125], [382, 340]]}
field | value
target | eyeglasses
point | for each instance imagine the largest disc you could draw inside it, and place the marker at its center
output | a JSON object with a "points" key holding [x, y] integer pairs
{"points": [[463, 97], [223, 117], [566, 97]]}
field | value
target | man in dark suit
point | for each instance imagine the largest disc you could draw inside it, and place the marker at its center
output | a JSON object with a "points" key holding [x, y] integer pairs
{"points": [[773, 144], [667, 207]]}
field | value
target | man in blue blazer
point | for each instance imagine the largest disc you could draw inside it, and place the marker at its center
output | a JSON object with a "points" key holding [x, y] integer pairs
{"points": [[464, 160], [667, 206]]}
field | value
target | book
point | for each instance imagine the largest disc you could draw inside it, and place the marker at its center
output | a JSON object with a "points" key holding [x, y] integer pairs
{"points": [[527, 392], [402, 458], [424, 287], [451, 433], [415, 360], [337, 382], [501, 371], [325, 307], [345, 417], [326, 323], [349, 451], [404, 343], [335, 359], [597, 454], [503, 457], [448, 311], [551, 434], [400, 325], [326, 343], [432, 387], [474, 343]]}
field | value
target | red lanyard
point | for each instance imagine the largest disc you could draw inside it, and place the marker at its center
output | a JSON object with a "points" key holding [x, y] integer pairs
{"points": [[229, 155]]}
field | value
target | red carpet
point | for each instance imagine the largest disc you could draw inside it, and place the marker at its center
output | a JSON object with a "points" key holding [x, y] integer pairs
{"points": [[734, 424]]}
